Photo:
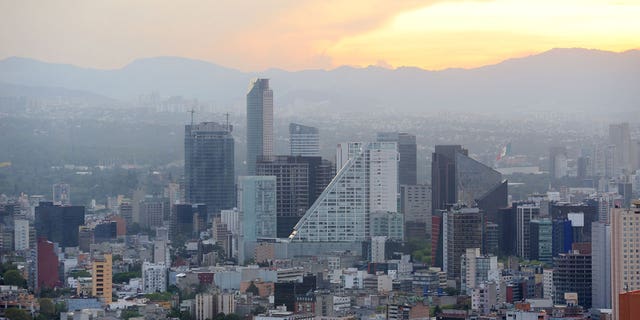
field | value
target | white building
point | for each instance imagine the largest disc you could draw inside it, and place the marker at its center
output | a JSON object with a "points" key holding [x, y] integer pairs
{"points": [[378, 248], [477, 269], [161, 253], [21, 234], [366, 181], [205, 306], [548, 290], [484, 297], [625, 258], [154, 277]]}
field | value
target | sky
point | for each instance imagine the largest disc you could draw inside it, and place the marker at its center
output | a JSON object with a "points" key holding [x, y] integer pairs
{"points": [[312, 34]]}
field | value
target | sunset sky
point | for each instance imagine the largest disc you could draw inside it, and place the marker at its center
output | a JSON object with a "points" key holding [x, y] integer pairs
{"points": [[312, 34]]}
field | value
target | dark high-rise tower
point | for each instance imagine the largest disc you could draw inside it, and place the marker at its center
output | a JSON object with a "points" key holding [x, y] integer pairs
{"points": [[299, 181], [209, 165], [407, 167], [259, 123], [59, 223], [443, 176], [457, 178]]}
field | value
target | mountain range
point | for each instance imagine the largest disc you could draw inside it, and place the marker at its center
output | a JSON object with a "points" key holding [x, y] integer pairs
{"points": [[568, 80]]}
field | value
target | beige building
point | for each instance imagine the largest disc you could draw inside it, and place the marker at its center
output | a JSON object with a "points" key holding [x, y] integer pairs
{"points": [[625, 252], [102, 278]]}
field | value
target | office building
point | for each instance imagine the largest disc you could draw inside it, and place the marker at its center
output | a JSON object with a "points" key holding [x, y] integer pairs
{"points": [[105, 231], [387, 224], [601, 265], [462, 229], [525, 213], [572, 273], [59, 224], [625, 259], [378, 249], [125, 208], [153, 211], [457, 178], [407, 149], [257, 206], [47, 265], [209, 165], [581, 216], [507, 231], [304, 140], [415, 204], [154, 277], [366, 182], [101, 275], [620, 137], [541, 242], [300, 180], [62, 194], [21, 234], [493, 200], [476, 269], [259, 123], [187, 220], [558, 162]]}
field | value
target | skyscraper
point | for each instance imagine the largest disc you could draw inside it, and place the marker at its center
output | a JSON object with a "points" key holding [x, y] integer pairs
{"points": [[259, 122], [620, 136], [415, 204], [558, 162], [457, 178], [572, 273], [601, 265], [47, 265], [525, 213], [625, 259], [300, 180], [407, 148], [462, 229], [257, 205], [304, 140], [366, 182], [59, 223], [209, 165]]}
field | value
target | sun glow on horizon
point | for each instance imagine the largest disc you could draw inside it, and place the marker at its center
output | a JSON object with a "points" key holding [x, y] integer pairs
{"points": [[471, 34]]}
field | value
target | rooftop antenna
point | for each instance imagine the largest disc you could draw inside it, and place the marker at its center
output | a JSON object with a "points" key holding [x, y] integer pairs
{"points": [[227, 115], [192, 111]]}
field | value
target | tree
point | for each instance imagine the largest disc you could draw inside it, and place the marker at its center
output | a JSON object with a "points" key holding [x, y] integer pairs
{"points": [[437, 310], [253, 289], [232, 316], [17, 314], [47, 307], [14, 278]]}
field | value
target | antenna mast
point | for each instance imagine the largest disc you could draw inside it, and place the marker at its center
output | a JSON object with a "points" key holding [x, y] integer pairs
{"points": [[192, 111]]}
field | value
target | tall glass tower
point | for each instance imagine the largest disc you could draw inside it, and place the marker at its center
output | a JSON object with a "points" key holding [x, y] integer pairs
{"points": [[259, 123], [208, 165]]}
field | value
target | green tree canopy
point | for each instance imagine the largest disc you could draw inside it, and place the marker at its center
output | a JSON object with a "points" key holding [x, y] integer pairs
{"points": [[14, 278], [17, 314]]}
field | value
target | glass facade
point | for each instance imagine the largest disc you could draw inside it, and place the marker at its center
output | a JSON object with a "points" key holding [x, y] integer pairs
{"points": [[209, 166], [259, 122]]}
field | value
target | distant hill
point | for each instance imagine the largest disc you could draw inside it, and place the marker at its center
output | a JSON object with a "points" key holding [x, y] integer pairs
{"points": [[570, 80]]}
